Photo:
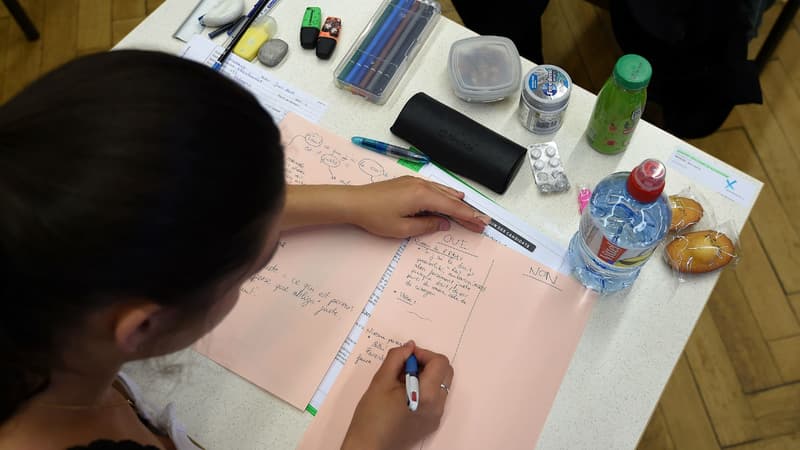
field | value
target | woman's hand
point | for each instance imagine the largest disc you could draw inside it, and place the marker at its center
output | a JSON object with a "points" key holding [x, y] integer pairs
{"points": [[410, 206], [382, 420], [401, 207]]}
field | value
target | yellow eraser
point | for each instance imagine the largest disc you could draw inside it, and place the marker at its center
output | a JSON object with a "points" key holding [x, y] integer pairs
{"points": [[252, 40], [259, 32]]}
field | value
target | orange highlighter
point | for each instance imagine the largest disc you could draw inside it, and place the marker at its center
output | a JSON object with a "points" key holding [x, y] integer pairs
{"points": [[328, 36]]}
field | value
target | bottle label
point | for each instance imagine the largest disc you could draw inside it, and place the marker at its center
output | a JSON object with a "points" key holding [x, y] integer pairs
{"points": [[613, 254]]}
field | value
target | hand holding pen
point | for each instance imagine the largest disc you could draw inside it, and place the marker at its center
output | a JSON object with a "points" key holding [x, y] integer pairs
{"points": [[382, 419]]}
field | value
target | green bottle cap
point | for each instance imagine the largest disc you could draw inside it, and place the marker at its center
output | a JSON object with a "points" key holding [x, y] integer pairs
{"points": [[632, 72]]}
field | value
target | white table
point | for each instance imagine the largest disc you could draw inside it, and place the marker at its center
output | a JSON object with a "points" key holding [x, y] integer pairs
{"points": [[631, 343]]}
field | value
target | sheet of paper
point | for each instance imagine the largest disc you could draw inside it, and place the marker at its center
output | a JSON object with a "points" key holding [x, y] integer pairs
{"points": [[275, 95], [505, 228], [355, 333], [716, 175], [508, 324], [293, 316]]}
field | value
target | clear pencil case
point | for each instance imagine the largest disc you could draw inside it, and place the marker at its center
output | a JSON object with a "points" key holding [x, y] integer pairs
{"points": [[375, 64]]}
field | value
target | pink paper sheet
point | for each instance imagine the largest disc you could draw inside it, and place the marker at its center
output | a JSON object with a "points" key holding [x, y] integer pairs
{"points": [[293, 316], [508, 325]]}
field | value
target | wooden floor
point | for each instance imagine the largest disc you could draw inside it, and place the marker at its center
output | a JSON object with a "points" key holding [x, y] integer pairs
{"points": [[738, 383]]}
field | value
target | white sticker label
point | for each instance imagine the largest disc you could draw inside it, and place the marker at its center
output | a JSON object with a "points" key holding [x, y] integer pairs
{"points": [[720, 177]]}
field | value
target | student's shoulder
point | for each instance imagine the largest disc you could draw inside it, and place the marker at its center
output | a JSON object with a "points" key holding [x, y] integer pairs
{"points": [[103, 444]]}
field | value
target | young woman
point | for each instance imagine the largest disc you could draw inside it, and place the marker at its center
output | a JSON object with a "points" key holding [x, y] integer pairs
{"points": [[137, 192]]}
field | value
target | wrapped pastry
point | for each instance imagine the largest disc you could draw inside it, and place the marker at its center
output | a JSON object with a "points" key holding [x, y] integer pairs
{"points": [[700, 251], [685, 212]]}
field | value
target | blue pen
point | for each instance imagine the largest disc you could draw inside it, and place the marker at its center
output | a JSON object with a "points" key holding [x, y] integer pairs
{"points": [[412, 382], [225, 28], [251, 17], [390, 150], [380, 39]]}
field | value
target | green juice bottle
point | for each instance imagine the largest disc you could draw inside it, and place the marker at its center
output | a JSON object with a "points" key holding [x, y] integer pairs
{"points": [[619, 105]]}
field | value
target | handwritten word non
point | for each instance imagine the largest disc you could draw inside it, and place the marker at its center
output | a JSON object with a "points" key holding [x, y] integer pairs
{"points": [[543, 275]]}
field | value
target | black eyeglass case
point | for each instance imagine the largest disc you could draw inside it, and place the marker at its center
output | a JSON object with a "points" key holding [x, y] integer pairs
{"points": [[458, 143]]}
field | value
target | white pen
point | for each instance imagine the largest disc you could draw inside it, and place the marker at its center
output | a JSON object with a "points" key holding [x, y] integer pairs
{"points": [[412, 382]]}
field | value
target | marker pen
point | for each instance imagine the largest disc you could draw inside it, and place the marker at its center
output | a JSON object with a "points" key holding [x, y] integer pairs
{"points": [[309, 32], [412, 383], [328, 36]]}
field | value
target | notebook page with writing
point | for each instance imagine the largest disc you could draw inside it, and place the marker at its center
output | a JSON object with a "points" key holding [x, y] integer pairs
{"points": [[508, 325], [293, 315]]}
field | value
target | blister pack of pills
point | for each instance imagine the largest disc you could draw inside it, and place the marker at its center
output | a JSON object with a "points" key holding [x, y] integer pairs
{"points": [[548, 171]]}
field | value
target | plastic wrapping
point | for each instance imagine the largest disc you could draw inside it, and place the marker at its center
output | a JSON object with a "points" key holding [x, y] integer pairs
{"points": [[689, 210], [548, 170], [698, 243]]}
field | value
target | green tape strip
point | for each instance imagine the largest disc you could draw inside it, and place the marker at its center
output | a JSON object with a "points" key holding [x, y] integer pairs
{"points": [[703, 163], [415, 166], [311, 409]]}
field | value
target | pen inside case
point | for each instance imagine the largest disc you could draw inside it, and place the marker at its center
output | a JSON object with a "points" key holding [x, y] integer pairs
{"points": [[381, 55]]}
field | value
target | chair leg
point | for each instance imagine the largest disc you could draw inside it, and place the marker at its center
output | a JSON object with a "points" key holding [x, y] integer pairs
{"points": [[24, 22], [776, 33]]}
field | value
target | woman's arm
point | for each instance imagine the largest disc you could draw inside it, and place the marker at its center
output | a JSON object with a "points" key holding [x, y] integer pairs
{"points": [[402, 207]]}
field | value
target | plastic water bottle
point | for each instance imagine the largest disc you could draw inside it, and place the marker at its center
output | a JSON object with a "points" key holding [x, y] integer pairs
{"points": [[627, 218]]}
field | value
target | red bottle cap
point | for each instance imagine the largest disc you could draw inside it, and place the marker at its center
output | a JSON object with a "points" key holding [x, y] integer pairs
{"points": [[646, 181]]}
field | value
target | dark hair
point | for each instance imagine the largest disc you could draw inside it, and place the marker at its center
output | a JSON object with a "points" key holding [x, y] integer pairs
{"points": [[123, 174]]}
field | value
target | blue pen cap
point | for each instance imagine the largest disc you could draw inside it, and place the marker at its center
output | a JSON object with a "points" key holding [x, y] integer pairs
{"points": [[411, 365]]}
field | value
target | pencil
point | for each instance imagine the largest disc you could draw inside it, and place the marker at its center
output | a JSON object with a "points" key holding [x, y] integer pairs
{"points": [[410, 14], [249, 21]]}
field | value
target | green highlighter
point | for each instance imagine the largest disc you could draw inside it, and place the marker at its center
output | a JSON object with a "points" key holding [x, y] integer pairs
{"points": [[312, 21]]}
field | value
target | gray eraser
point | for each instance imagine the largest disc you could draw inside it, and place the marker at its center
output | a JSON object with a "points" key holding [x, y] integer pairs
{"points": [[272, 52]]}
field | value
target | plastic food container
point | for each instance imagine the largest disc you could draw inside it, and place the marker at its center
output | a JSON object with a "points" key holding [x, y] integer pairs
{"points": [[484, 69]]}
